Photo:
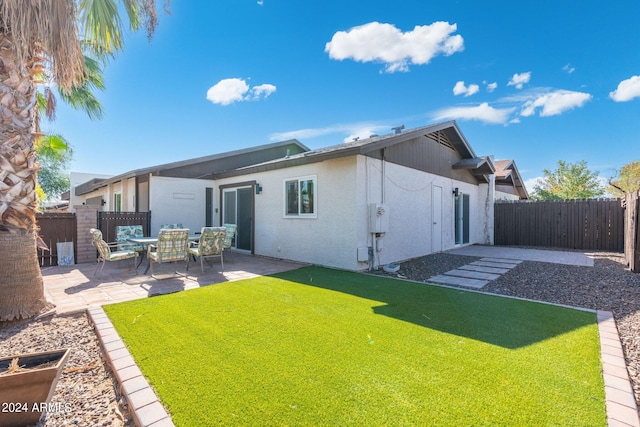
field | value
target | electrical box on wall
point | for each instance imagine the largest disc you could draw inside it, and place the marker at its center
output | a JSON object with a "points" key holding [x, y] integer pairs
{"points": [[378, 218]]}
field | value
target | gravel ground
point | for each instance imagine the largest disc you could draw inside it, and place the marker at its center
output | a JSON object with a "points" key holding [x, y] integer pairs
{"points": [[85, 393], [606, 286], [87, 386]]}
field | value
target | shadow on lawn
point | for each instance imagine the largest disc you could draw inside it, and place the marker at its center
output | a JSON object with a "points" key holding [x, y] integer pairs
{"points": [[500, 321]]}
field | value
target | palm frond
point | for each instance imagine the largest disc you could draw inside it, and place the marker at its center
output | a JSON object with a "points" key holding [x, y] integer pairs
{"points": [[82, 98], [54, 147], [101, 23], [50, 98], [48, 28]]}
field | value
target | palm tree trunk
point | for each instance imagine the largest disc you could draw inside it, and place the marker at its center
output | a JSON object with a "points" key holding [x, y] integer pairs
{"points": [[21, 284]]}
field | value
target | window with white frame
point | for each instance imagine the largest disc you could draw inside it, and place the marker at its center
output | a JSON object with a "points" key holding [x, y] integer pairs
{"points": [[300, 197]]}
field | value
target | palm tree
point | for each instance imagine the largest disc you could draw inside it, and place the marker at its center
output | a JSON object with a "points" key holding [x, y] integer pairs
{"points": [[53, 151], [36, 37]]}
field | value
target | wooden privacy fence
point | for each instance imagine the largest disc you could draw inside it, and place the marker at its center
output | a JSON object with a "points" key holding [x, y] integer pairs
{"points": [[55, 228], [594, 224], [63, 227], [631, 235], [107, 222]]}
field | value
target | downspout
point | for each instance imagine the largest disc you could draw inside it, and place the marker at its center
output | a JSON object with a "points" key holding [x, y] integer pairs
{"points": [[383, 175], [376, 236]]}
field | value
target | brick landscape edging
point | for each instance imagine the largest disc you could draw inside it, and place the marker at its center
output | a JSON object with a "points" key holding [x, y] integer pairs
{"points": [[146, 409]]}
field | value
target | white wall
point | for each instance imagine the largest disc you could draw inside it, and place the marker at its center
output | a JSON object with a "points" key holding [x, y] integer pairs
{"points": [[330, 238], [408, 194], [129, 195], [345, 188], [501, 195], [177, 200], [78, 178]]}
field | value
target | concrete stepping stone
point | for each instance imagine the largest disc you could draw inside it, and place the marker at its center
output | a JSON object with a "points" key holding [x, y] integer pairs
{"points": [[502, 260], [472, 274], [492, 264], [460, 281], [484, 269]]}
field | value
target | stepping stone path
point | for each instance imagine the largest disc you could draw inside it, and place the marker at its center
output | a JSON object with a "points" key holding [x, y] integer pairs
{"points": [[476, 274]]}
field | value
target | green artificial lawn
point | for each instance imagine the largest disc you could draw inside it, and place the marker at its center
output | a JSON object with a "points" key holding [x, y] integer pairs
{"points": [[316, 346]]}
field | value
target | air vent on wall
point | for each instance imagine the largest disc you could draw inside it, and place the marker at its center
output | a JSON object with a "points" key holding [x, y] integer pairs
{"points": [[441, 138]]}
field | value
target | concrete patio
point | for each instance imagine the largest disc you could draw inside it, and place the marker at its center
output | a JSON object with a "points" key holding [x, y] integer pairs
{"points": [[73, 288]]}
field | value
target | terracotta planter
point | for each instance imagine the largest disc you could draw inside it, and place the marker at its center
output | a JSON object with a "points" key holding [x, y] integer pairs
{"points": [[25, 394]]}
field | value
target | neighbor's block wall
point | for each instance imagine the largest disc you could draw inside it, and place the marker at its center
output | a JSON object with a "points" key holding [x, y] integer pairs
{"points": [[87, 218]]}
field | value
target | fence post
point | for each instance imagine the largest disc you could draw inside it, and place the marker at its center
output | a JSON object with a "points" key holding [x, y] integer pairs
{"points": [[636, 236], [86, 216], [631, 234]]}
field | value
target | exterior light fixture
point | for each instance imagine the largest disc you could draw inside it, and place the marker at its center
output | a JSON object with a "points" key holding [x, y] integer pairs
{"points": [[258, 188]]}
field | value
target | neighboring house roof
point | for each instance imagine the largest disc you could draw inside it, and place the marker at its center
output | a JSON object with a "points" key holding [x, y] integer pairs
{"points": [[440, 149], [507, 175], [447, 134], [89, 186], [203, 167]]}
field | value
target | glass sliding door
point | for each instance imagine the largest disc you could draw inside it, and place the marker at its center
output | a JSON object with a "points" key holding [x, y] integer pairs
{"points": [[237, 208], [461, 212]]}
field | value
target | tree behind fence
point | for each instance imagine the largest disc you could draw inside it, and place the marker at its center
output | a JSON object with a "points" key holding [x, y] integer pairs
{"points": [[594, 224]]}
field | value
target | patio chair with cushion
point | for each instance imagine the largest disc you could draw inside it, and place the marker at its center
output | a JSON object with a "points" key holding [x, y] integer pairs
{"points": [[171, 226], [106, 254], [210, 244], [172, 246], [124, 233], [228, 239]]}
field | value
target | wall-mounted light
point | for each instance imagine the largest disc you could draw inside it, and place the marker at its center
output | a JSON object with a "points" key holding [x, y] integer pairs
{"points": [[103, 202], [258, 188], [455, 192]]}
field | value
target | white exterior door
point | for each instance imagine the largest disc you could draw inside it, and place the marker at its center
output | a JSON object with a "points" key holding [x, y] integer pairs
{"points": [[436, 219]]}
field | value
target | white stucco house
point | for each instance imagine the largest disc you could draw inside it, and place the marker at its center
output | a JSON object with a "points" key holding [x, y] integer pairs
{"points": [[354, 205]]}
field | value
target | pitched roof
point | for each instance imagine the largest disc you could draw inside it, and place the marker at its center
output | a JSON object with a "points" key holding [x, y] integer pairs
{"points": [[203, 167], [507, 174], [447, 133]]}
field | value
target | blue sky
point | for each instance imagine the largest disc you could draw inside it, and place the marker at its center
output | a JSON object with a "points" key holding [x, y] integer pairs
{"points": [[536, 82]]}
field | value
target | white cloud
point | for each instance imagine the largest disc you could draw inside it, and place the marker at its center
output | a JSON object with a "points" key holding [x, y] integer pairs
{"points": [[260, 2], [378, 42], [518, 80], [262, 90], [365, 131], [547, 101], [352, 130], [554, 103], [228, 91], [483, 112], [492, 86], [627, 90], [531, 183], [568, 68], [461, 89]]}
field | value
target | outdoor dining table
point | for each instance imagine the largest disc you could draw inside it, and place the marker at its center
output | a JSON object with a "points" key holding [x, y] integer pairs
{"points": [[144, 241]]}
